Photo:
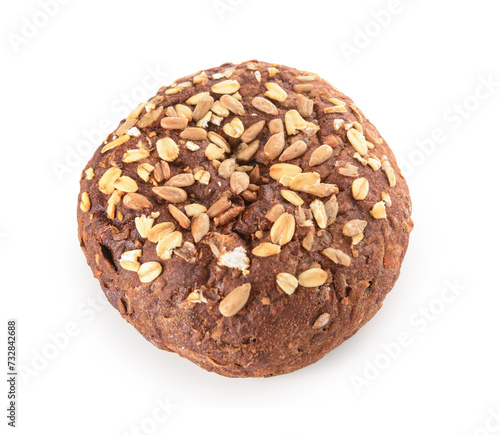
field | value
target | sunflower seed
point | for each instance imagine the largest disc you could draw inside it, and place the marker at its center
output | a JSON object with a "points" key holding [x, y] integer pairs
{"points": [[358, 141], [287, 282], [275, 92], [360, 187], [126, 184], [136, 201], [276, 126], [85, 204], [174, 123], [228, 216], [305, 106], [319, 213], [234, 128], [378, 210], [233, 105], [266, 250], [247, 152], [292, 197], [218, 207], [337, 256], [235, 300], [194, 133], [313, 277], [181, 180], [194, 209], [274, 146], [167, 149], [115, 143], [280, 169], [202, 107], [171, 194], [353, 227], [107, 181], [227, 168], [239, 182], [308, 241], [167, 244], [179, 216], [283, 229], [143, 225], [321, 321], [264, 106], [226, 87], [320, 155], [200, 226], [331, 209], [303, 87], [159, 231], [275, 212], [252, 132], [161, 171], [296, 149]]}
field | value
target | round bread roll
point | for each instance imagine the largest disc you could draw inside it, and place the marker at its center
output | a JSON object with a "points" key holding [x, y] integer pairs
{"points": [[248, 217]]}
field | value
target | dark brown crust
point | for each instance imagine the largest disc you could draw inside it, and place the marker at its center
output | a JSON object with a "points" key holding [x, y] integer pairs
{"points": [[273, 334]]}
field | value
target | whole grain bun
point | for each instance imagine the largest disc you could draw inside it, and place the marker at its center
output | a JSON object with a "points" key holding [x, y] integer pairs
{"points": [[248, 217]]}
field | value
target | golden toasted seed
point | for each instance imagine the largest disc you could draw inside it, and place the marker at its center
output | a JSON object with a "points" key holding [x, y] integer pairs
{"points": [[274, 146], [202, 107], [348, 170], [386, 198], [126, 184], [234, 128], [319, 213], [136, 201], [226, 87], [313, 277], [192, 146], [161, 171], [218, 207], [308, 241], [202, 176], [194, 209], [305, 106], [320, 155], [300, 181], [219, 109], [283, 229], [167, 149], [183, 111], [167, 244], [358, 141], [303, 87], [321, 189], [159, 231], [179, 216], [280, 169], [85, 204], [378, 210], [294, 122], [181, 180], [171, 194], [276, 126], [275, 212], [292, 197], [233, 105], [194, 133], [130, 260], [149, 118], [214, 152], [296, 149], [246, 153], [144, 170], [287, 282], [353, 227], [235, 300], [148, 272], [113, 201], [107, 181], [132, 156], [275, 92], [200, 77], [200, 226], [219, 141], [389, 171], [252, 132], [321, 321], [360, 187], [332, 209], [115, 143], [273, 71], [143, 225], [89, 174], [266, 250], [337, 256], [136, 112], [227, 168], [195, 99], [239, 182], [264, 106], [174, 123]]}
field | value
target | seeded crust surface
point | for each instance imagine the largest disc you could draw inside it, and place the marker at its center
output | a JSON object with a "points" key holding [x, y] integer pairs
{"points": [[248, 217]]}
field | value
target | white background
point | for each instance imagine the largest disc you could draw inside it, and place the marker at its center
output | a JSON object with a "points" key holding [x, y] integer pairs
{"points": [[414, 77]]}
